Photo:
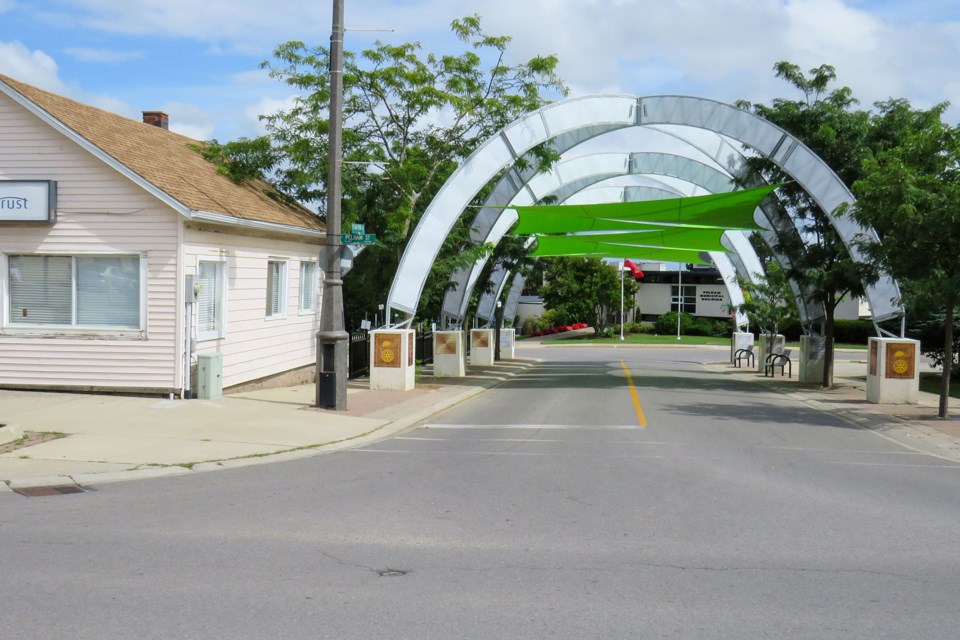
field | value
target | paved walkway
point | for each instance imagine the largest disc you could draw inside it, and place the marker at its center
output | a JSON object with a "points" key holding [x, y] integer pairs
{"points": [[111, 438]]}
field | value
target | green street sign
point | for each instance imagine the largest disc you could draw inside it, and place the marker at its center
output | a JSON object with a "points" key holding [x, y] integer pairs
{"points": [[358, 238], [358, 228]]}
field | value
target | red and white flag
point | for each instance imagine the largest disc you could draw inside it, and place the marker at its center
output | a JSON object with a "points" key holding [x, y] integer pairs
{"points": [[634, 269]]}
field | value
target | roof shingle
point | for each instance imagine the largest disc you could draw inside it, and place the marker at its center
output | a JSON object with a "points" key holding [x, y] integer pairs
{"points": [[165, 159]]}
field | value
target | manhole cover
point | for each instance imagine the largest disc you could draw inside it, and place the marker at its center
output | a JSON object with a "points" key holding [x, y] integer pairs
{"points": [[38, 492]]}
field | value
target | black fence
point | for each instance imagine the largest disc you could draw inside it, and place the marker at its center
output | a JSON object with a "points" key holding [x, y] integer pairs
{"points": [[359, 364], [359, 361]]}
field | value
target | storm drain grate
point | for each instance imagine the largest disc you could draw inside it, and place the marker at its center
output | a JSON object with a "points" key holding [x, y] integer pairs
{"points": [[38, 492]]}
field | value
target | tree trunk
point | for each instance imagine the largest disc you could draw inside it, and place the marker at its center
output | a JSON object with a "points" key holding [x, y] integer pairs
{"points": [[947, 358], [828, 332]]}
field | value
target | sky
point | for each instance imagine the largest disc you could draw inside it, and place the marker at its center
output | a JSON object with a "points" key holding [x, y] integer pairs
{"points": [[199, 60]]}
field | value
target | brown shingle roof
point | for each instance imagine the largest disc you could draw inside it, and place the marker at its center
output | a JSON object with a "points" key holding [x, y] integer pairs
{"points": [[164, 159]]}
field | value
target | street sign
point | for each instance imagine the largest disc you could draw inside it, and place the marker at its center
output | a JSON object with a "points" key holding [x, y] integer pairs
{"points": [[358, 238], [358, 228]]}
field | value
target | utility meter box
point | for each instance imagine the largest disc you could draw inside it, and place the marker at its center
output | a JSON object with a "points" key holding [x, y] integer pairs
{"points": [[210, 376]]}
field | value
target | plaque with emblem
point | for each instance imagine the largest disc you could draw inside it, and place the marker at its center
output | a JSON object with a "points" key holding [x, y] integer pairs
{"points": [[874, 357], [480, 339], [447, 343], [386, 350], [410, 351], [900, 360]]}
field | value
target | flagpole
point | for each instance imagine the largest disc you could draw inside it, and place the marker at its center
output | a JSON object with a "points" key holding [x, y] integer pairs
{"points": [[679, 297], [622, 266]]}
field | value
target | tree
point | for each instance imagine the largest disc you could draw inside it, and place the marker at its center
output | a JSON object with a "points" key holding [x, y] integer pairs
{"points": [[827, 123], [911, 194], [409, 120], [579, 289], [769, 303]]}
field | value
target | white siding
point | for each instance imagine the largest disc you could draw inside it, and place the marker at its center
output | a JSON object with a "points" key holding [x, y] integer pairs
{"points": [[253, 346], [99, 211]]}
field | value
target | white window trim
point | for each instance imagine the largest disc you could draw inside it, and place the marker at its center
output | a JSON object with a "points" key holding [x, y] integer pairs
{"points": [[64, 331], [284, 288], [221, 331], [316, 289]]}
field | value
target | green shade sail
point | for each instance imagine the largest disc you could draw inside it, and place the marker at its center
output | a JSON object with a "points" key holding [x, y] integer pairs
{"points": [[649, 254], [677, 238], [732, 210]]}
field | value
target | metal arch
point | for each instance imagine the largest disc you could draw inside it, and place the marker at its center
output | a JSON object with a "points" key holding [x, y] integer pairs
{"points": [[634, 163], [611, 113], [629, 163], [563, 180], [577, 119]]}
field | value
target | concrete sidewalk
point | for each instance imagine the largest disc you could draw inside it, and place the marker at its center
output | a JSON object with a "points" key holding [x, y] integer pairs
{"points": [[105, 438], [914, 426]]}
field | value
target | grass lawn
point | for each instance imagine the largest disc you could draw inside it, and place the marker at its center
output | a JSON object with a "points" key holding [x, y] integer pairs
{"points": [[649, 338], [930, 382]]}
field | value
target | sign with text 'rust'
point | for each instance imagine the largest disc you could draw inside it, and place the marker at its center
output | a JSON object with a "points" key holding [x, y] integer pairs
{"points": [[901, 357]]}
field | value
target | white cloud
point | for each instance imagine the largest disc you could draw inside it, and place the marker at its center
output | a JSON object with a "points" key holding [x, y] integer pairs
{"points": [[189, 120], [33, 67], [102, 55], [265, 106]]}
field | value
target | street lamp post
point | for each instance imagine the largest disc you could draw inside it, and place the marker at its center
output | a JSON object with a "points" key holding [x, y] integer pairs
{"points": [[331, 338], [622, 267], [679, 297]]}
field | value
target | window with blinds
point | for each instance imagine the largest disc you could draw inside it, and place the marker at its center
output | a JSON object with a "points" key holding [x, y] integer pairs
{"points": [[689, 299], [308, 286], [83, 291], [210, 300], [276, 288]]}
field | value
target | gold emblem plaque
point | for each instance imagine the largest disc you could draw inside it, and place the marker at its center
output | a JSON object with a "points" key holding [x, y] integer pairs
{"points": [[386, 350], [874, 349], [447, 343], [480, 339], [410, 349], [900, 359]]}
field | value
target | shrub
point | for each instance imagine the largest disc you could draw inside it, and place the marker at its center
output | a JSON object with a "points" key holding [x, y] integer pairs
{"points": [[667, 323], [853, 331]]}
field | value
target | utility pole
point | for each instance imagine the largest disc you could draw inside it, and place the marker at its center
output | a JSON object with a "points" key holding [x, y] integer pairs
{"points": [[332, 340]]}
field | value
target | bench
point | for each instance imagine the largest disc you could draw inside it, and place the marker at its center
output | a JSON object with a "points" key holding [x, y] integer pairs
{"points": [[745, 353], [781, 360]]}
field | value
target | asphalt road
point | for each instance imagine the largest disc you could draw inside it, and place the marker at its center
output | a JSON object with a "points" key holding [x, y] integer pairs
{"points": [[554, 506]]}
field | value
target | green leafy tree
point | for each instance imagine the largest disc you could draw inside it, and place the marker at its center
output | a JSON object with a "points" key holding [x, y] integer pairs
{"points": [[826, 121], [770, 303], [911, 194], [410, 118], [582, 289]]}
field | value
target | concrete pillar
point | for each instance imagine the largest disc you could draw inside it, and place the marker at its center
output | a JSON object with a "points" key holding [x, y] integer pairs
{"points": [[482, 347], [739, 341], [449, 354], [508, 341], [392, 359], [813, 351], [893, 371], [768, 344]]}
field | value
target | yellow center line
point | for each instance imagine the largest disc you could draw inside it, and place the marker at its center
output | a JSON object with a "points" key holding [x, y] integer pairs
{"points": [[641, 418]]}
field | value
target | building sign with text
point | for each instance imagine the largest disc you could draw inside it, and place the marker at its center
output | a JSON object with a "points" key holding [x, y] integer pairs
{"points": [[28, 201]]}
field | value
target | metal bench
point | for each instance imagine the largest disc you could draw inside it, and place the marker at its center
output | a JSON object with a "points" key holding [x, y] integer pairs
{"points": [[781, 360], [745, 353]]}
